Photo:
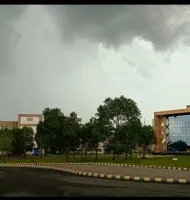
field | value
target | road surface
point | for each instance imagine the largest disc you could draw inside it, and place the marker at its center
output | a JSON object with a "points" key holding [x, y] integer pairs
{"points": [[128, 171], [43, 182]]}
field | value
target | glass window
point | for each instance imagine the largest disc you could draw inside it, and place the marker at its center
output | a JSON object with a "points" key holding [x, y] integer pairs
{"points": [[29, 119], [178, 133]]}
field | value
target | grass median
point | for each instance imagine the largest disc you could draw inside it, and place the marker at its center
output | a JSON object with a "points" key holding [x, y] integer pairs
{"points": [[182, 161]]}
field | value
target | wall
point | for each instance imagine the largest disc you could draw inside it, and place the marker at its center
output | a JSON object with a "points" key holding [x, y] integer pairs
{"points": [[8, 124], [29, 119], [160, 132]]}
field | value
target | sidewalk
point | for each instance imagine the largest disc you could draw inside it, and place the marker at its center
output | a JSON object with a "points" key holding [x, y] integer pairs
{"points": [[126, 171]]}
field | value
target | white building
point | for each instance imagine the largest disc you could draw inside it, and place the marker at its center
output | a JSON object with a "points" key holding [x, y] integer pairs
{"points": [[30, 120]]}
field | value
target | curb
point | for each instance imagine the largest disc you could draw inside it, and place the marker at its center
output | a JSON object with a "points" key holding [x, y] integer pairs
{"points": [[98, 175], [120, 165]]}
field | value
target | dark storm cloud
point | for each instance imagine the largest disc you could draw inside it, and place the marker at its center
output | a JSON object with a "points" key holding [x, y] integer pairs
{"points": [[114, 25], [8, 36]]}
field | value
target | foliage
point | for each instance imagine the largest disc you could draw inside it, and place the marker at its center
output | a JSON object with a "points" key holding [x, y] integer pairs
{"points": [[22, 140], [178, 146], [27, 139], [57, 132], [96, 135], [5, 141], [130, 135], [120, 114], [146, 138], [116, 125], [16, 141]]}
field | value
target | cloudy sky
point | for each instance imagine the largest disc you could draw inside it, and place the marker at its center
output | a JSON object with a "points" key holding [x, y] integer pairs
{"points": [[73, 57]]}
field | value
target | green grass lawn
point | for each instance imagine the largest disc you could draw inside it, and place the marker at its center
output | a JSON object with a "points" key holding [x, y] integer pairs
{"points": [[183, 161]]}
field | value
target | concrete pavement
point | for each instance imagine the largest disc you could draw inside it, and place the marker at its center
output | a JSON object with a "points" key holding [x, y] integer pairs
{"points": [[114, 172], [127, 171]]}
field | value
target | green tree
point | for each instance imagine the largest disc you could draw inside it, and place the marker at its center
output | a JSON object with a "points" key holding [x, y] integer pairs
{"points": [[96, 136], [22, 140], [17, 141], [146, 138], [5, 141], [111, 146], [58, 132], [178, 146], [130, 133], [84, 138], [49, 130], [41, 137], [27, 139], [74, 127], [67, 137], [74, 142], [64, 137], [116, 113]]}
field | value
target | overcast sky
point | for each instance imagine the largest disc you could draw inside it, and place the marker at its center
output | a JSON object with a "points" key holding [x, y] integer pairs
{"points": [[73, 57]]}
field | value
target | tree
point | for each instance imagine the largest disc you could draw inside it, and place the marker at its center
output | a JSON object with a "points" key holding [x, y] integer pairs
{"points": [[118, 112], [112, 146], [58, 132], [84, 138], [130, 133], [74, 127], [178, 146], [23, 140], [146, 138], [28, 139], [74, 142], [5, 141], [67, 138], [96, 136], [49, 130], [17, 147], [40, 137]]}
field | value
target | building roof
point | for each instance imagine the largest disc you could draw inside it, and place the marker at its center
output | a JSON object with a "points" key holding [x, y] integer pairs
{"points": [[185, 111]]}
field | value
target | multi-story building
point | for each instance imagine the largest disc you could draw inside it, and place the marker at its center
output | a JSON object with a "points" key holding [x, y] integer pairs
{"points": [[172, 130], [28, 120]]}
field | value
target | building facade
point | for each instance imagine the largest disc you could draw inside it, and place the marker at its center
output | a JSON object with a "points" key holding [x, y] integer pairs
{"points": [[172, 130], [28, 120]]}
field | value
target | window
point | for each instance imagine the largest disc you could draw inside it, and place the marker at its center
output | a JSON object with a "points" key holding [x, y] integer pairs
{"points": [[178, 131], [29, 119]]}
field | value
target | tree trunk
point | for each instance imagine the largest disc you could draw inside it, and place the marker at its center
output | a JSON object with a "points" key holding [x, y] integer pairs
{"points": [[144, 151], [81, 153], [66, 156], [46, 151], [74, 155], [131, 154], [41, 149], [85, 155], [125, 157], [113, 157], [96, 157]]}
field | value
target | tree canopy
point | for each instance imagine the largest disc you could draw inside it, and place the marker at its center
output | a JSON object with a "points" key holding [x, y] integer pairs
{"points": [[16, 141], [116, 126]]}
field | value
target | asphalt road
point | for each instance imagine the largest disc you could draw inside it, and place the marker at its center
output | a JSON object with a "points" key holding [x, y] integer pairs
{"points": [[43, 182], [127, 171]]}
